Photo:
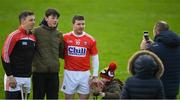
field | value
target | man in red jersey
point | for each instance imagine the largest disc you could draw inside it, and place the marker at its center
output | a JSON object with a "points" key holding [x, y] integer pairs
{"points": [[17, 55], [79, 47]]}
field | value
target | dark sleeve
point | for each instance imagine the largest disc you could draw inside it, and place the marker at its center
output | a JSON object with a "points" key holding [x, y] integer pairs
{"points": [[152, 47], [61, 46], [124, 94], [7, 67], [161, 94], [7, 49], [115, 93]]}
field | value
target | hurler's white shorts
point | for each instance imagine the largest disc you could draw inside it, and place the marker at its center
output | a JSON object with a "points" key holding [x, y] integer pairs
{"points": [[26, 82], [76, 82]]}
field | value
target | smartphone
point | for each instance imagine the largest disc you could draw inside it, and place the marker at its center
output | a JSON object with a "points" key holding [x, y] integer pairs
{"points": [[146, 35]]}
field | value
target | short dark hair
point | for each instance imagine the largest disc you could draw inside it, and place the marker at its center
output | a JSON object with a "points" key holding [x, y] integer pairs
{"points": [[162, 26], [24, 14], [77, 17], [51, 11]]}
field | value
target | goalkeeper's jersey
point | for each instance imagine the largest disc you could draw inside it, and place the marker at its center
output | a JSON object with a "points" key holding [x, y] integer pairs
{"points": [[78, 49]]}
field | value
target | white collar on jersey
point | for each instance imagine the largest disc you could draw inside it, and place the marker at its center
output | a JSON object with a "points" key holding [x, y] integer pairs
{"points": [[78, 35]]}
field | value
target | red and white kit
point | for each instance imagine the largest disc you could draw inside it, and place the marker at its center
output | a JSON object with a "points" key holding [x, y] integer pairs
{"points": [[78, 51]]}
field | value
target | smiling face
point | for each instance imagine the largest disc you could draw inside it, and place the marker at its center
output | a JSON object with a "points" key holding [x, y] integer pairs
{"points": [[52, 21], [78, 26]]}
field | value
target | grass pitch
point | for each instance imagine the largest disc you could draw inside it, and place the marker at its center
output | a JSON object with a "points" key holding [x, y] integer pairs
{"points": [[117, 25]]}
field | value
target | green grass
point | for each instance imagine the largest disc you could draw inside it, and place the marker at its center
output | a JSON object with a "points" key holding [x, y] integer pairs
{"points": [[117, 25]]}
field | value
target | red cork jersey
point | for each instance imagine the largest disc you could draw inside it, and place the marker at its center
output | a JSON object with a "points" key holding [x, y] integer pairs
{"points": [[78, 50]]}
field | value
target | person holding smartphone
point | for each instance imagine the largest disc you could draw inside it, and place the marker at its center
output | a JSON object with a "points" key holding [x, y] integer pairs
{"points": [[167, 47]]}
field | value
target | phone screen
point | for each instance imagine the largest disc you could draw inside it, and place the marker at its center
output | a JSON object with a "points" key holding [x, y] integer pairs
{"points": [[146, 36]]}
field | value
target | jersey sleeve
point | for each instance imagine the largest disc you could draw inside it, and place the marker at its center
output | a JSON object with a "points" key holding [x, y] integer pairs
{"points": [[6, 52], [93, 50]]}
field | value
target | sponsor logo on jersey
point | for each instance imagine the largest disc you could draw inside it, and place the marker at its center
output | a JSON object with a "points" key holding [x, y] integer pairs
{"points": [[77, 51]]}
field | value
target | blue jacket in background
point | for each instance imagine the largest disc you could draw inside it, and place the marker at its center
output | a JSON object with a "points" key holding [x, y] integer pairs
{"points": [[167, 48]]}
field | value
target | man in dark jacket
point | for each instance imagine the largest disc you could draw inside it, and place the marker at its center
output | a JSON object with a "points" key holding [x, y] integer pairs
{"points": [[46, 61], [167, 47], [146, 69]]}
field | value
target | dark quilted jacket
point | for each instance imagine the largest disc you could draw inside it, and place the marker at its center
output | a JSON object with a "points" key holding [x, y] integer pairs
{"points": [[167, 48]]}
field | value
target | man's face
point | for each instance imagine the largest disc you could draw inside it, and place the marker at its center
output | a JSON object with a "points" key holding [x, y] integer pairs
{"points": [[52, 21], [28, 22], [79, 26]]}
